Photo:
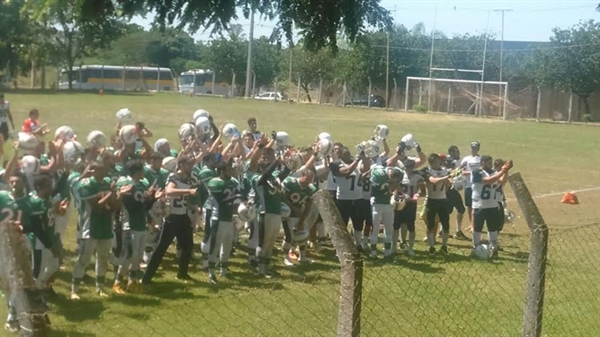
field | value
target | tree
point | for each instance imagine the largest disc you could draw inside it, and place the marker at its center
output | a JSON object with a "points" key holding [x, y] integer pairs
{"points": [[74, 36], [308, 66], [317, 21], [572, 63], [265, 61], [226, 57], [14, 35]]}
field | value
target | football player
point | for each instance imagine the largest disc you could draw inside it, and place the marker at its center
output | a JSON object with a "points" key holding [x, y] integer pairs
{"points": [[437, 179], [384, 181], [413, 186], [485, 206], [468, 164], [223, 190], [5, 117], [97, 204], [347, 176], [136, 195], [455, 200], [298, 195], [178, 224]]}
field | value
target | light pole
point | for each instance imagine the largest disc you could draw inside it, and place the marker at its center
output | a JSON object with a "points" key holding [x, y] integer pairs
{"points": [[249, 60], [502, 40]]}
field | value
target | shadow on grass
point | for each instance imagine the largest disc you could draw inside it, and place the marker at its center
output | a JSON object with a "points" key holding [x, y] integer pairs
{"points": [[79, 311]]}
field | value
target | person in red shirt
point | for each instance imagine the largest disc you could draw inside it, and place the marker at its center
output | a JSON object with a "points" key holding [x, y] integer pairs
{"points": [[32, 124]]}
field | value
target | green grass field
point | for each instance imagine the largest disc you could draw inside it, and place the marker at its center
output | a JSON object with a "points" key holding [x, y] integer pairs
{"points": [[424, 296]]}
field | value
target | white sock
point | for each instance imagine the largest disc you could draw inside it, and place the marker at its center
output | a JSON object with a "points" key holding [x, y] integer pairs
{"points": [[357, 238], [431, 239], [476, 239], [411, 239], [403, 231], [445, 236], [459, 220], [493, 239]]}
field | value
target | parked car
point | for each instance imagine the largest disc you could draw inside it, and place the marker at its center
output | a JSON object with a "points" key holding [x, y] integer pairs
{"points": [[270, 96], [376, 101]]}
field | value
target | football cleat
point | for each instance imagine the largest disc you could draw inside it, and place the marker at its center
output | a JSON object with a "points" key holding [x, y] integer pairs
{"points": [[101, 293], [431, 250], [410, 252], [12, 326], [459, 235], [75, 297], [444, 249], [212, 279], [287, 262]]}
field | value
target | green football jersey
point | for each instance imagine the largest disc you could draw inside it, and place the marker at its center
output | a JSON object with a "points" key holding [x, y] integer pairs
{"points": [[44, 160], [96, 223], [134, 213], [380, 183], [61, 178], [37, 212], [197, 199], [295, 193], [156, 178], [8, 207], [269, 194], [224, 193], [205, 175], [115, 173]]}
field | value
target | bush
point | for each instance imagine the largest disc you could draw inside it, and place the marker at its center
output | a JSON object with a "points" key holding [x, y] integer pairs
{"points": [[586, 118], [420, 107]]}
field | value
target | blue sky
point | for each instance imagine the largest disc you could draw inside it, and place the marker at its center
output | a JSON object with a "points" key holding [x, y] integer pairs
{"points": [[529, 20]]}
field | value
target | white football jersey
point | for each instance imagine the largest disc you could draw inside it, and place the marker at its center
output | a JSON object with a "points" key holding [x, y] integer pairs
{"points": [[365, 184], [484, 196], [4, 112], [410, 184], [436, 191], [349, 187], [331, 182], [179, 204], [470, 163]]}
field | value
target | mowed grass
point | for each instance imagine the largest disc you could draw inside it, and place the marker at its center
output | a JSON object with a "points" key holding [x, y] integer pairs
{"points": [[425, 296]]}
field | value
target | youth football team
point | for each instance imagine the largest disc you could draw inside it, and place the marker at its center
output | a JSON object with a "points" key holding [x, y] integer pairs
{"points": [[133, 199]]}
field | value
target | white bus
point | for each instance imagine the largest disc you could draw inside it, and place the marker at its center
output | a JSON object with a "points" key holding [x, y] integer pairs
{"points": [[201, 81], [122, 78]]}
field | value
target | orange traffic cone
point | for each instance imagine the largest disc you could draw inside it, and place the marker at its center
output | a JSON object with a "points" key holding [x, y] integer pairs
{"points": [[570, 198]]}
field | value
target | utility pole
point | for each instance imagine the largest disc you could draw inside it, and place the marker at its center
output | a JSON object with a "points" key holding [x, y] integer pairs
{"points": [[248, 91], [502, 40], [387, 68], [431, 60], [387, 73]]}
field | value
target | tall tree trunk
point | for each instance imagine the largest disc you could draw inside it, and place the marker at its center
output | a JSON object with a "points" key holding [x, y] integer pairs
{"points": [[305, 87], [33, 66], [43, 77], [586, 104]]}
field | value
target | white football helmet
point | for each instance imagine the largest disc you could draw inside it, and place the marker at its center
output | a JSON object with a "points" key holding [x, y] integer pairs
{"points": [[282, 139], [200, 113], [27, 142], [169, 164], [382, 131], [325, 135], [160, 143], [482, 252], [65, 133], [128, 134], [285, 211], [202, 126], [458, 183], [410, 141], [186, 130], [30, 165], [325, 147], [72, 152], [294, 161], [245, 212], [123, 114], [230, 130], [96, 139]]}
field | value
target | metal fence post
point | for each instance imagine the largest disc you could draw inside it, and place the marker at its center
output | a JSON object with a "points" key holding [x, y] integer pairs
{"points": [[539, 102], [536, 277], [351, 276], [569, 118]]}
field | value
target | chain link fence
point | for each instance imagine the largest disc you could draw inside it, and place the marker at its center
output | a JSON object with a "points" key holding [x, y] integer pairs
{"points": [[540, 273]]}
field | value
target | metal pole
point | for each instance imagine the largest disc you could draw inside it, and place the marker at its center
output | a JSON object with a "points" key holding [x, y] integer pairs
{"points": [[406, 95], [249, 60], [276, 90], [505, 116], [369, 96], [396, 93], [430, 62], [253, 83], [570, 106], [290, 73], [212, 88], [320, 88], [102, 75], [124, 71], [449, 98], [194, 84], [158, 81], [539, 101], [387, 75], [483, 66], [298, 90]]}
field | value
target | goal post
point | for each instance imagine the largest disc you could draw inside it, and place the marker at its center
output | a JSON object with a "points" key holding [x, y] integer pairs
{"points": [[480, 98]]}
